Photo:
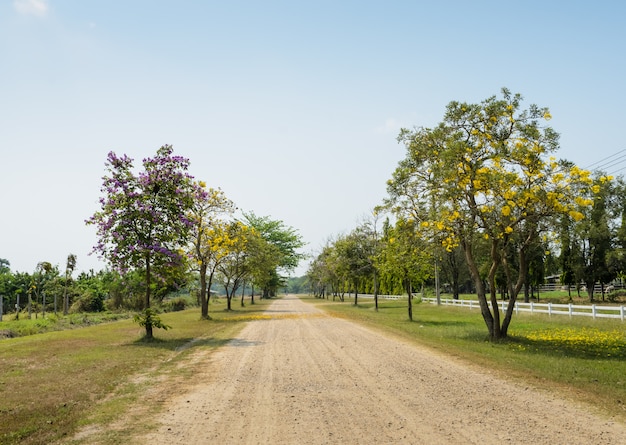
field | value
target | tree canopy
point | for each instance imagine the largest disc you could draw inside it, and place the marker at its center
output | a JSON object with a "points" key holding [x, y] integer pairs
{"points": [[486, 172]]}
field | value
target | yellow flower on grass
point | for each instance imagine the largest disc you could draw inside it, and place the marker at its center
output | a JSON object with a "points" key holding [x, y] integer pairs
{"points": [[508, 229], [506, 210], [576, 216]]}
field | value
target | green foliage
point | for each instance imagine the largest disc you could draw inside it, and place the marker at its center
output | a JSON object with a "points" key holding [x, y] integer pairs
{"points": [[175, 304], [89, 301], [149, 318], [277, 253]]}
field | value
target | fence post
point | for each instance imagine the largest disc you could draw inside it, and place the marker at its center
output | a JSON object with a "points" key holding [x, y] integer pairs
{"points": [[621, 313], [1, 298], [549, 309], [532, 307], [571, 310], [593, 311]]}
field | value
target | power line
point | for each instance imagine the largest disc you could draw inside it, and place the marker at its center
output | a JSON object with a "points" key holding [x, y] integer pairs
{"points": [[608, 160], [612, 163], [620, 170]]}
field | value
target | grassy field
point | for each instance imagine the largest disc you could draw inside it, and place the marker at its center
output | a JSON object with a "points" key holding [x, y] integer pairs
{"points": [[55, 383], [50, 382], [583, 358]]}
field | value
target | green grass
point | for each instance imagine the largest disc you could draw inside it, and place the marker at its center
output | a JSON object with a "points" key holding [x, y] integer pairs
{"points": [[10, 327], [50, 382], [55, 383], [581, 357]]}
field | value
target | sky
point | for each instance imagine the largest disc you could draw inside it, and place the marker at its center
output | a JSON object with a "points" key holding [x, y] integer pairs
{"points": [[292, 108]]}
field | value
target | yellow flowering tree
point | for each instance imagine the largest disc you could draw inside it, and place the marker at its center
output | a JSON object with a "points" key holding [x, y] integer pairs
{"points": [[485, 172], [206, 248], [237, 248]]}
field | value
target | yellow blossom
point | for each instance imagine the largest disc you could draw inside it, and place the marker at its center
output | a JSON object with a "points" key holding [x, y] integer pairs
{"points": [[576, 216]]}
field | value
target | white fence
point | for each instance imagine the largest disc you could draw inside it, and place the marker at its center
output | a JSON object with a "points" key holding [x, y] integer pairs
{"points": [[380, 297], [592, 310]]}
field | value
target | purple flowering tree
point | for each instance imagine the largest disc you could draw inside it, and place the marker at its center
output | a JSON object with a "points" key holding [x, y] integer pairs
{"points": [[143, 223]]}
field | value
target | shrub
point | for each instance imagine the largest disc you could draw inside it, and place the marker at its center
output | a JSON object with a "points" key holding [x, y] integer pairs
{"points": [[88, 302], [175, 304]]}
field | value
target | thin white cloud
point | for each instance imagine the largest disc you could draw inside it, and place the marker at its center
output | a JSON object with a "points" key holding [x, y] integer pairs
{"points": [[391, 125], [38, 8]]}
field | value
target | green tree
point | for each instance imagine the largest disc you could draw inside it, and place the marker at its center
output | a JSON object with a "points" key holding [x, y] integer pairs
{"points": [[355, 258], [596, 235], [70, 265], [405, 255], [322, 273], [5, 266], [5, 283], [44, 273], [143, 221], [287, 241], [619, 252]]}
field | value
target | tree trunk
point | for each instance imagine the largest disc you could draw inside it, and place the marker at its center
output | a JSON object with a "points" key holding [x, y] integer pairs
{"points": [[204, 298], [149, 334], [66, 301], [590, 289], [480, 289], [229, 297]]}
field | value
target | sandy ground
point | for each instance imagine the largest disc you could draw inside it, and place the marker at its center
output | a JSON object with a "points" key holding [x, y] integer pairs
{"points": [[307, 378]]}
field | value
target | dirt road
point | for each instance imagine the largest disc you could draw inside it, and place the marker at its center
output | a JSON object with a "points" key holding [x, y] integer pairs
{"points": [[307, 378]]}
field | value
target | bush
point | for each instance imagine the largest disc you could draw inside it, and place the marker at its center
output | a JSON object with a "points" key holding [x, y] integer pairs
{"points": [[175, 304], [149, 317], [616, 295], [88, 302]]}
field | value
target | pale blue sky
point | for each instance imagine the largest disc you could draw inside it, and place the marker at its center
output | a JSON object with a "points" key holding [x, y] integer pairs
{"points": [[292, 108]]}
